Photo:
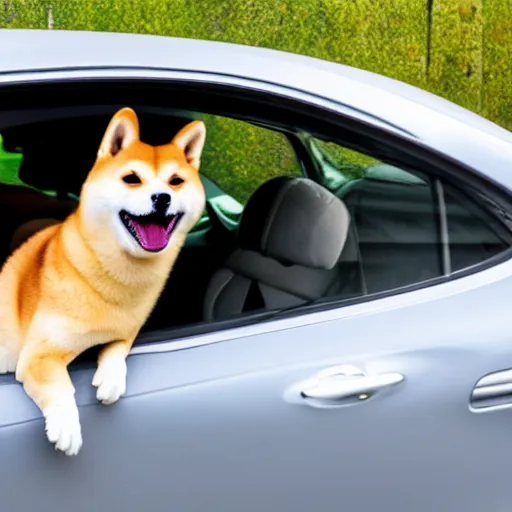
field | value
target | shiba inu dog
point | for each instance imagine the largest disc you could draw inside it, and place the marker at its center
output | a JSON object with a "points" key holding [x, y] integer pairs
{"points": [[94, 278]]}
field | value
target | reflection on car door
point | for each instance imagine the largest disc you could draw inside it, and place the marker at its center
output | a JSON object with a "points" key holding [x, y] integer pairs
{"points": [[225, 427]]}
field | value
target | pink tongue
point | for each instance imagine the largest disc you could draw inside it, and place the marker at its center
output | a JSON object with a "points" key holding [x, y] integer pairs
{"points": [[151, 236]]}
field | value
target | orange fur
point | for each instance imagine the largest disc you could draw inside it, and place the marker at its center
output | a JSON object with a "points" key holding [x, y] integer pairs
{"points": [[73, 285]]}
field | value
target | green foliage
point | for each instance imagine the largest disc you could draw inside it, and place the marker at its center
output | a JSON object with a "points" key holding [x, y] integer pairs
{"points": [[9, 165], [497, 68], [240, 157], [350, 164], [23, 14], [455, 70], [339, 164]]}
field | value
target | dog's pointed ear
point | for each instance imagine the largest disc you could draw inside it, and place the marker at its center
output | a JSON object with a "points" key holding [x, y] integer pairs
{"points": [[191, 140], [122, 130]]}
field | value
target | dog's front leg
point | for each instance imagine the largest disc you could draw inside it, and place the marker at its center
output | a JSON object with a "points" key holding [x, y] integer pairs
{"points": [[47, 382], [110, 377]]}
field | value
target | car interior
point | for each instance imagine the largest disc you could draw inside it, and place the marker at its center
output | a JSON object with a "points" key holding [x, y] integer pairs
{"points": [[297, 240]]}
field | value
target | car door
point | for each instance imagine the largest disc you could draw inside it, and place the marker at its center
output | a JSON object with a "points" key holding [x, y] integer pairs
{"points": [[375, 406], [398, 403]]}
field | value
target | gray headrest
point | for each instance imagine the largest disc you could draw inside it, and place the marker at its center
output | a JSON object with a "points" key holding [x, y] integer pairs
{"points": [[295, 221]]}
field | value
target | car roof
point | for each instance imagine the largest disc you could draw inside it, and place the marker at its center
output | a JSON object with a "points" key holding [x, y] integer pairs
{"points": [[439, 123]]}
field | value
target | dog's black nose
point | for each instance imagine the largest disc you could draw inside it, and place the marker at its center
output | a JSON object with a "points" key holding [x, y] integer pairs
{"points": [[161, 202]]}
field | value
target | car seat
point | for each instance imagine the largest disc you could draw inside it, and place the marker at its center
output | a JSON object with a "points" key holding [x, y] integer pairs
{"points": [[290, 239]]}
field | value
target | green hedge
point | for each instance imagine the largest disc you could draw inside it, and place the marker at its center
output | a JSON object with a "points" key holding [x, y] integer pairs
{"points": [[469, 61], [456, 56], [240, 156], [497, 67]]}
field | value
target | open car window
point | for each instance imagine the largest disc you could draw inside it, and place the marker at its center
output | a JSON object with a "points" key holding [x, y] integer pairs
{"points": [[410, 226], [404, 227]]}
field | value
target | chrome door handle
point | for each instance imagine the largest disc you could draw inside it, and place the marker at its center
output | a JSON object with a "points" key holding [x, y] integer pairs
{"points": [[344, 382], [493, 390]]}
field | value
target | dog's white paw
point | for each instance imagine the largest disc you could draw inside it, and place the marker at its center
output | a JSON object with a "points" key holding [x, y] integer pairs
{"points": [[110, 379], [63, 428]]}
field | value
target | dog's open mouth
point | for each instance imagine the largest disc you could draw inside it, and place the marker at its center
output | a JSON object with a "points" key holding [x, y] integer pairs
{"points": [[152, 231]]}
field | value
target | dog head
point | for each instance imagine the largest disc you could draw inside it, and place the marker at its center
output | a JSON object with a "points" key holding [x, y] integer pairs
{"points": [[145, 196]]}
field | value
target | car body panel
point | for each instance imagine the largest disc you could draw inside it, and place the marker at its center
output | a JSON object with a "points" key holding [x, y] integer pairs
{"points": [[230, 436], [216, 421]]}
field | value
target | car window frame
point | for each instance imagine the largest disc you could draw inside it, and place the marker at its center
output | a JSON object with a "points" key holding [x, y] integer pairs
{"points": [[325, 119], [438, 187]]}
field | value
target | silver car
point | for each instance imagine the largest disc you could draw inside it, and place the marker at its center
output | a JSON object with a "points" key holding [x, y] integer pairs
{"points": [[300, 358]]}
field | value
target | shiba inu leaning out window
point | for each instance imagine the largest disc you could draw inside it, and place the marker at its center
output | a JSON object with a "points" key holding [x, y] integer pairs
{"points": [[94, 278]]}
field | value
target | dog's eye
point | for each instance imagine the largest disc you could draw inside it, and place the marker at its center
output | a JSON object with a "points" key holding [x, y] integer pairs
{"points": [[132, 179], [175, 181]]}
